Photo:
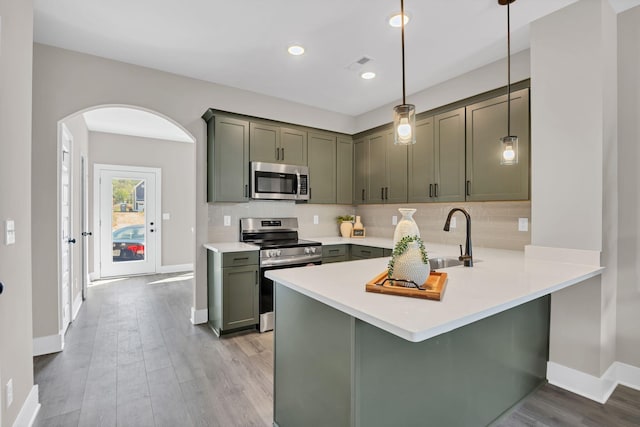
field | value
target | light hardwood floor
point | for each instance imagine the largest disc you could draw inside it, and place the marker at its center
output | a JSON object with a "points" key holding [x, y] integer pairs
{"points": [[132, 358]]}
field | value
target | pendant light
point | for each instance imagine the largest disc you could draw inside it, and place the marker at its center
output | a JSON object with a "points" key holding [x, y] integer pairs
{"points": [[509, 143], [404, 115]]}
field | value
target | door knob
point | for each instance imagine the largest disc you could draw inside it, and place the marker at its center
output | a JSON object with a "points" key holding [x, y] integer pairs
{"points": [[87, 233], [71, 241], [1, 287], [151, 223], [151, 230]]}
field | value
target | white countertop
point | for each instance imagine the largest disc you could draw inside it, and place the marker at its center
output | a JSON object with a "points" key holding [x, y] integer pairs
{"points": [[498, 281], [223, 247]]}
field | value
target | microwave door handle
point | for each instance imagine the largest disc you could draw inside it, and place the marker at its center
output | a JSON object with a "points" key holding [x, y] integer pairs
{"points": [[299, 186]]}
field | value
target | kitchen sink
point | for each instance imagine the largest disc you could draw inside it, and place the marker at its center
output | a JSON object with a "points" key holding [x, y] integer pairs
{"points": [[444, 262]]}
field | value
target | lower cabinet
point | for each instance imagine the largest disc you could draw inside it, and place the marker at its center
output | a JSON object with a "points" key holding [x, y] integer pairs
{"points": [[233, 290], [335, 253], [366, 252]]}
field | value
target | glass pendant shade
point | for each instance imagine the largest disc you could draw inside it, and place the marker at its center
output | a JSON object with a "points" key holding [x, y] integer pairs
{"points": [[509, 155], [404, 124]]}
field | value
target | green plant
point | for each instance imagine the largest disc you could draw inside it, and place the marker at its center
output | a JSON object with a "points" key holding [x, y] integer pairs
{"points": [[402, 246], [344, 218]]}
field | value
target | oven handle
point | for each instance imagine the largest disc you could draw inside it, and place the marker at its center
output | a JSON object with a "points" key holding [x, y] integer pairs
{"points": [[289, 264]]}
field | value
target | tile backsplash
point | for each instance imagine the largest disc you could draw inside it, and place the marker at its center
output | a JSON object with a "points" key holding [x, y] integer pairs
{"points": [[493, 224]]}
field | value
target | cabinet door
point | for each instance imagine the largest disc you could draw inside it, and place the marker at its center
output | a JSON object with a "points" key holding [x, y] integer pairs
{"points": [[322, 168], [293, 147], [421, 163], [377, 167], [360, 171], [396, 172], [344, 176], [450, 156], [486, 124], [264, 143], [228, 140], [240, 295]]}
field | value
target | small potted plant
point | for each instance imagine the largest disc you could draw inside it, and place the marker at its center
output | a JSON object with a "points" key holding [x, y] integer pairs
{"points": [[346, 224]]}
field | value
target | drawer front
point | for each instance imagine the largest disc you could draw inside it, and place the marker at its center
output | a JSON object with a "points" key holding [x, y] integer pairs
{"points": [[333, 251], [339, 258], [360, 252], [236, 259]]}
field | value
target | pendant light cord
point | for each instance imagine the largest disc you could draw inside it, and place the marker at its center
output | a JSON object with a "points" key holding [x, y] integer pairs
{"points": [[508, 69], [402, 31]]}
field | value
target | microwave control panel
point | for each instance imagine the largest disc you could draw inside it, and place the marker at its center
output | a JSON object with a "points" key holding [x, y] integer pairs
{"points": [[304, 185]]}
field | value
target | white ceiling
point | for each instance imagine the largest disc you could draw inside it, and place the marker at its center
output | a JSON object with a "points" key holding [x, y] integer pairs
{"points": [[242, 43]]}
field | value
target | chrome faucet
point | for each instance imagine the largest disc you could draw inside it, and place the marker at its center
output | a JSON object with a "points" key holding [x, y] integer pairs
{"points": [[467, 257]]}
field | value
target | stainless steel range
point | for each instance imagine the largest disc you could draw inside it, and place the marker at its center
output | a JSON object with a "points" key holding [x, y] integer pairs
{"points": [[279, 248]]}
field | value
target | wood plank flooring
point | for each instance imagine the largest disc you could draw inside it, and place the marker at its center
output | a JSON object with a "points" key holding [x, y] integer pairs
{"points": [[132, 358]]}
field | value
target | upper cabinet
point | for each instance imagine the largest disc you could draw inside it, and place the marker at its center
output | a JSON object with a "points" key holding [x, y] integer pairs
{"points": [[227, 159], [344, 171], [360, 170], [322, 168], [380, 169], [449, 155], [487, 179], [275, 144]]}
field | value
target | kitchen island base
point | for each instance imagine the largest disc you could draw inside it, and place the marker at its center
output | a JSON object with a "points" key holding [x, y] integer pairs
{"points": [[334, 369]]}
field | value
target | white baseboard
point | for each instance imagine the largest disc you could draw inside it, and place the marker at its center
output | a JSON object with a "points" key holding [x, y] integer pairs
{"points": [[595, 388], [48, 344], [94, 276], [199, 317], [176, 268], [27, 415], [77, 303]]}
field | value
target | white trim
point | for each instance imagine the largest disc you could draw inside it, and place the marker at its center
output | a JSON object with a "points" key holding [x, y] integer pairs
{"points": [[65, 133], [93, 276], [199, 317], [566, 255], [592, 387], [27, 415], [77, 303], [48, 344], [175, 268]]}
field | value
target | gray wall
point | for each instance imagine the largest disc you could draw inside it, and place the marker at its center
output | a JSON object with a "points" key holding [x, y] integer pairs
{"points": [[628, 301], [16, 43], [71, 82], [178, 184]]}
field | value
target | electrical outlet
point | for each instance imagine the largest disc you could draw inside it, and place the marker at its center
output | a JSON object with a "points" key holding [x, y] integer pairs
{"points": [[523, 224], [316, 220], [227, 220], [453, 222], [9, 393], [9, 232], [394, 220]]}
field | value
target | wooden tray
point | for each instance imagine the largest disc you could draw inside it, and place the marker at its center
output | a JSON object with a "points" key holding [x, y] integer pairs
{"points": [[434, 285]]}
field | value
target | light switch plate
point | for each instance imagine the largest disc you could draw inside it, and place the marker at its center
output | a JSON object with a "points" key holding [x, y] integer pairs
{"points": [[316, 219], [523, 224], [166, 215], [227, 220], [394, 220], [9, 392], [9, 232], [453, 223]]}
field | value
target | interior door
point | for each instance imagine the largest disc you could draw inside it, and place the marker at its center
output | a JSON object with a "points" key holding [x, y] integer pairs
{"points": [[129, 228], [85, 226], [66, 240]]}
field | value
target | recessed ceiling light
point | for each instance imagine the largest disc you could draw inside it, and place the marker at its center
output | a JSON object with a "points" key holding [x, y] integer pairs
{"points": [[368, 75], [394, 21], [295, 50]]}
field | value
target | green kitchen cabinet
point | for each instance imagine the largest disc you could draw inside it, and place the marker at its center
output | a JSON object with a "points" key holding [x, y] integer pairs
{"points": [[233, 291], [437, 159], [387, 169], [276, 144], [322, 167], [227, 158], [487, 179], [335, 253], [344, 169], [365, 252], [360, 171]]}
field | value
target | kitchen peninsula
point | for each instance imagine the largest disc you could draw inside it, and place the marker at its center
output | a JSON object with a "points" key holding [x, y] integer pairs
{"points": [[345, 357]]}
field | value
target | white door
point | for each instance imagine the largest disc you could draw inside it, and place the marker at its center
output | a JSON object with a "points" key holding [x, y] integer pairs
{"points": [[129, 229], [66, 240], [86, 234]]}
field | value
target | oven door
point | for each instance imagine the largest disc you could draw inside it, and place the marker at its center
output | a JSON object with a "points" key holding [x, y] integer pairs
{"points": [[266, 294]]}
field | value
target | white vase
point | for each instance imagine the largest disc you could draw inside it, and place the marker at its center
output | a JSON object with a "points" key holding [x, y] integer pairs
{"points": [[345, 228], [358, 225], [409, 265], [406, 227]]}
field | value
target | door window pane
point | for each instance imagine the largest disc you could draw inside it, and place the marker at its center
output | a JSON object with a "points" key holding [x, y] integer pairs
{"points": [[128, 220]]}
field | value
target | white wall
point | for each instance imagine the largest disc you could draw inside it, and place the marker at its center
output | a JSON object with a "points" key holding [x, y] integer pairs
{"points": [[628, 298], [175, 159], [66, 82], [573, 122], [16, 44]]}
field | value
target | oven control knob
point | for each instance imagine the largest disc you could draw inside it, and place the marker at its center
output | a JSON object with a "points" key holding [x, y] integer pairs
{"points": [[270, 254], [313, 250], [307, 250], [278, 252]]}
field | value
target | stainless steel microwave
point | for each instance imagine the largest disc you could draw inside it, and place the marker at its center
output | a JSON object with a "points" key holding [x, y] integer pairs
{"points": [[274, 181]]}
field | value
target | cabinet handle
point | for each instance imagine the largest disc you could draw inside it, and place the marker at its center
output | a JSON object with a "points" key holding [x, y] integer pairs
{"points": [[241, 259], [277, 154], [331, 251], [282, 151], [436, 192], [430, 190], [257, 281], [246, 190], [468, 188], [363, 194], [382, 193], [366, 252], [386, 193]]}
